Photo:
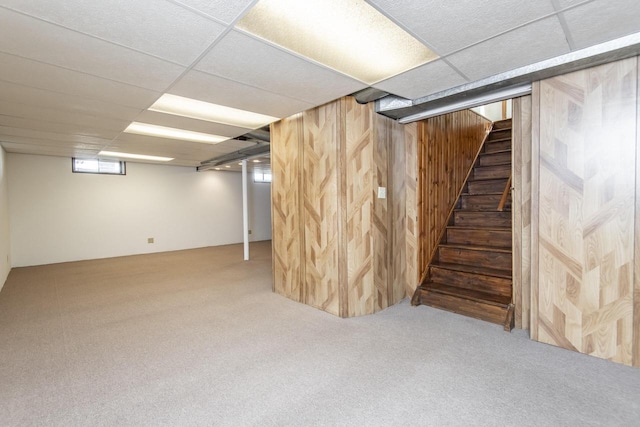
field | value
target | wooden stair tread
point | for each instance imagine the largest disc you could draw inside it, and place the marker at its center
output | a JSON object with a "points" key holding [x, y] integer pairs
{"points": [[468, 294], [466, 227], [479, 211], [492, 153], [500, 139], [474, 269], [476, 247], [476, 179], [483, 194]]}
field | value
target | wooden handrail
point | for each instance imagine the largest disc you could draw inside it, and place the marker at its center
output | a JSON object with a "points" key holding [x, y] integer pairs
{"points": [[505, 194]]}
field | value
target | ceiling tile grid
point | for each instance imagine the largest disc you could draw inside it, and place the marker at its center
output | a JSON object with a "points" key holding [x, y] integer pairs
{"points": [[219, 90], [170, 120], [602, 20], [529, 44], [15, 93], [77, 128], [159, 28], [245, 59], [75, 73], [34, 39], [429, 78], [39, 75], [448, 26], [223, 10]]}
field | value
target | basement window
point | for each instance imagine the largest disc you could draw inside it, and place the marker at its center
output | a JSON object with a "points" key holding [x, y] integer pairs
{"points": [[108, 167], [261, 176]]}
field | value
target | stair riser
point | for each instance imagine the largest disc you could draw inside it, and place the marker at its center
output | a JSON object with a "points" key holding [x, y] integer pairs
{"points": [[493, 172], [503, 158], [483, 202], [489, 259], [478, 282], [479, 237], [491, 146], [486, 312], [502, 124], [480, 219], [483, 187], [499, 134]]}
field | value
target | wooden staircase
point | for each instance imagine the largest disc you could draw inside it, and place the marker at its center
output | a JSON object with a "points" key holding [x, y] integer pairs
{"points": [[470, 272]]}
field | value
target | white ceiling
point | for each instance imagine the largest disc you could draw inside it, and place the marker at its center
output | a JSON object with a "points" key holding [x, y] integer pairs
{"points": [[75, 73]]}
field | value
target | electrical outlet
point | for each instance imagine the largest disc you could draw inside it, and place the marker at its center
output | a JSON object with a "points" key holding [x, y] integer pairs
{"points": [[382, 192], [150, 240], [249, 231]]}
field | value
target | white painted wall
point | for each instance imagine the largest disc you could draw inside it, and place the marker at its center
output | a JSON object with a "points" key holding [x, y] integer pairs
{"points": [[5, 245], [493, 111], [58, 216]]}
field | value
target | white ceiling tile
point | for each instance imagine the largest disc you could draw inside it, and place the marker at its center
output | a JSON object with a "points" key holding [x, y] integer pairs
{"points": [[451, 25], [49, 142], [532, 43], [64, 128], [169, 120], [224, 10], [8, 133], [184, 147], [160, 28], [247, 60], [205, 87], [44, 76], [422, 81], [602, 20], [44, 150], [155, 143], [172, 149], [24, 111], [10, 92], [34, 39], [568, 3]]}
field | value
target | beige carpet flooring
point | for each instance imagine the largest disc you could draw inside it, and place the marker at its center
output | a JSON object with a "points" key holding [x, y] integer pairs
{"points": [[196, 337]]}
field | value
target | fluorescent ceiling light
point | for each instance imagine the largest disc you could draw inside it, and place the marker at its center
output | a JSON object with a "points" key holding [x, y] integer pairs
{"points": [[349, 36], [173, 133], [135, 156], [192, 108]]}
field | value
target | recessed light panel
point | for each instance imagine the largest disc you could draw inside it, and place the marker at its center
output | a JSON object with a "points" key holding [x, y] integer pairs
{"points": [[349, 36], [135, 156], [173, 133], [192, 108]]}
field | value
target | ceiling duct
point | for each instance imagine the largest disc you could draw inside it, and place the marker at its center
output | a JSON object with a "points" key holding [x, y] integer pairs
{"points": [[262, 138], [468, 95], [369, 94]]}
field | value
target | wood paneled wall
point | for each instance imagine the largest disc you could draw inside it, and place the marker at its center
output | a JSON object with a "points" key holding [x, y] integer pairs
{"points": [[585, 211], [352, 244], [411, 208], [447, 148], [287, 224], [521, 206], [322, 207]]}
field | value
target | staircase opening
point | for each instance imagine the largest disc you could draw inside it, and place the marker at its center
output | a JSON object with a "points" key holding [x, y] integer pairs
{"points": [[470, 271]]}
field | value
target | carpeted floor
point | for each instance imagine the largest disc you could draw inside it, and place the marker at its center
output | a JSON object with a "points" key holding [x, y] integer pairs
{"points": [[197, 338]]}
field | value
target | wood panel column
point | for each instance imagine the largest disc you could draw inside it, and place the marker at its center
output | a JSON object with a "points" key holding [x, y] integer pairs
{"points": [[585, 217], [351, 242]]}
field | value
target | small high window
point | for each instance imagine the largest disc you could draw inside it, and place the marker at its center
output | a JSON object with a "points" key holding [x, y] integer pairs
{"points": [[262, 176], [109, 167]]}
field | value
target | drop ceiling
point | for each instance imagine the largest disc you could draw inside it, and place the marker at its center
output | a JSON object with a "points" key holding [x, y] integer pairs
{"points": [[75, 73]]}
